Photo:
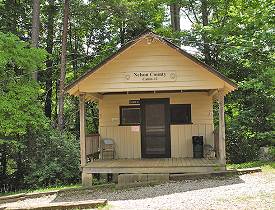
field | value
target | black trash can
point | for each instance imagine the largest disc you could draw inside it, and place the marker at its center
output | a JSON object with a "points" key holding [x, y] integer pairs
{"points": [[197, 146]]}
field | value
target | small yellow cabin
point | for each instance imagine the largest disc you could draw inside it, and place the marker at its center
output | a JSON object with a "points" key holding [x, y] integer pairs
{"points": [[155, 111]]}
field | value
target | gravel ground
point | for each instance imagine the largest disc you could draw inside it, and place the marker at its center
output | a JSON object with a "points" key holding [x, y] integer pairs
{"points": [[249, 191]]}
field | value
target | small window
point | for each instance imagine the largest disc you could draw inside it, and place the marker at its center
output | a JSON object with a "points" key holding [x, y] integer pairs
{"points": [[180, 113], [129, 115]]}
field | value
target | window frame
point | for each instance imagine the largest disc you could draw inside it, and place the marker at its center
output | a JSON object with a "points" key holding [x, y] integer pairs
{"points": [[181, 123], [120, 115]]}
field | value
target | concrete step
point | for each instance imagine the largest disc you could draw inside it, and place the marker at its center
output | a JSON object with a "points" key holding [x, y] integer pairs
{"points": [[88, 204], [125, 180], [132, 180], [184, 176]]}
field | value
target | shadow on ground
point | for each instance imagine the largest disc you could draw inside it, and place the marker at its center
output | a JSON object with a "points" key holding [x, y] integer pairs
{"points": [[112, 194]]}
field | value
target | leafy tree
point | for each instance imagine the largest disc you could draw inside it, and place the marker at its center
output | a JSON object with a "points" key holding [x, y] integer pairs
{"points": [[19, 107], [241, 47], [15, 17]]}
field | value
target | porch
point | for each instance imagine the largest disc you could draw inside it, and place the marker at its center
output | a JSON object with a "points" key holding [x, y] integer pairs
{"points": [[154, 165]]}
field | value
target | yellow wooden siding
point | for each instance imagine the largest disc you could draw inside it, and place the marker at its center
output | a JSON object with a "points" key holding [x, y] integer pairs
{"points": [[128, 143], [143, 58], [181, 138]]}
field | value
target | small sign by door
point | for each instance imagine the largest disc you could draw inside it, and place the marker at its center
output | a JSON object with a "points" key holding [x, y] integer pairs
{"points": [[134, 101], [135, 128]]}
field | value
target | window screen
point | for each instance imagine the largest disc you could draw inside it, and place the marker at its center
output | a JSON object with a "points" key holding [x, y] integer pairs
{"points": [[129, 115], [180, 113]]}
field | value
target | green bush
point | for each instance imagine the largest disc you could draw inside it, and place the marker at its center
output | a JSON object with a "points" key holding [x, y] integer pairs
{"points": [[55, 161], [240, 147], [40, 158], [271, 152]]}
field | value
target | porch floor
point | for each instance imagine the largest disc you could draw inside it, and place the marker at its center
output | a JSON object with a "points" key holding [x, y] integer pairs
{"points": [[156, 165]]}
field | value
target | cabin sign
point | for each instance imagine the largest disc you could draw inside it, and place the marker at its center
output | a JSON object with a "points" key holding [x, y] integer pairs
{"points": [[159, 76]]}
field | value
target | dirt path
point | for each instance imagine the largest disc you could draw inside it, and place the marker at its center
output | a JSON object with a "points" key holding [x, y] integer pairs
{"points": [[250, 191]]}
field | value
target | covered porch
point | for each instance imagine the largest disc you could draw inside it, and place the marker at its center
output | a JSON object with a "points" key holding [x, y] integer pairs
{"points": [[128, 142]]}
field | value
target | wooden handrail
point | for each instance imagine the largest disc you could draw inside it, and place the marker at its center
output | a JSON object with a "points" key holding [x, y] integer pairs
{"points": [[92, 146]]}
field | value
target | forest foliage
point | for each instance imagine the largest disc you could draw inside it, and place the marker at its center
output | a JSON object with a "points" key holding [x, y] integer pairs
{"points": [[236, 37]]}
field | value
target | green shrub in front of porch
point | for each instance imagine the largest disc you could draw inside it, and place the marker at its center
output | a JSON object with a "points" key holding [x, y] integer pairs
{"points": [[55, 161]]}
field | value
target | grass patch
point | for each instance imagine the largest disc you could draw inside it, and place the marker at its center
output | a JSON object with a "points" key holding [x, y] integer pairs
{"points": [[76, 187], [265, 166], [106, 207], [58, 188], [47, 189]]}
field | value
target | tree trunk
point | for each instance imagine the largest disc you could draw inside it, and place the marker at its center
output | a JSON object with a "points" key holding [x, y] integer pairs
{"points": [[122, 32], [49, 63], [175, 16], [56, 99], [63, 66], [10, 17], [3, 161], [74, 48], [35, 27], [206, 47]]}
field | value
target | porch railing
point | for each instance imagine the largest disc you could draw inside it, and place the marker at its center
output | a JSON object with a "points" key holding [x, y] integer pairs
{"points": [[92, 147]]}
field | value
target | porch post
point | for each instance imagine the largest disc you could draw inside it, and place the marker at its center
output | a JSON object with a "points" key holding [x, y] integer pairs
{"points": [[221, 127], [86, 177], [82, 130]]}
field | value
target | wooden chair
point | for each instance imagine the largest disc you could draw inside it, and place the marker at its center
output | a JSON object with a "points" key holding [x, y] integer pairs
{"points": [[107, 149]]}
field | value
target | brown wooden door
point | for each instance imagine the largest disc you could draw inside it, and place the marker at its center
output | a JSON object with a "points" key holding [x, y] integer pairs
{"points": [[155, 128]]}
